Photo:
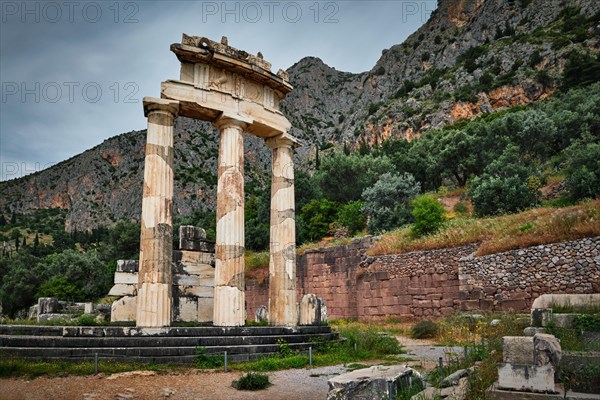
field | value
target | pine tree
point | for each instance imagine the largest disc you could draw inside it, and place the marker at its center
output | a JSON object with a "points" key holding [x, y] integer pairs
{"points": [[24, 241], [13, 218], [2, 220]]}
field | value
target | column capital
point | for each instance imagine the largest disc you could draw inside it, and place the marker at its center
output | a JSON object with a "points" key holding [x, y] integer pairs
{"points": [[153, 104], [283, 140], [228, 120]]}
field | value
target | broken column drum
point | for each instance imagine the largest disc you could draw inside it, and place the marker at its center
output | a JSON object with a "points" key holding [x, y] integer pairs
{"points": [[238, 94]]}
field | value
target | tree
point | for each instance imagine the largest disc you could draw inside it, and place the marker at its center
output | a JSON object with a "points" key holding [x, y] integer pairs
{"points": [[351, 216], [506, 186], [2, 220], [387, 202], [13, 218], [343, 178], [583, 173], [317, 216], [429, 215], [90, 277]]}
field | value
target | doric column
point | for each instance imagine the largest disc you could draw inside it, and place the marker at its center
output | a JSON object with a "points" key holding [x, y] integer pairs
{"points": [[282, 258], [229, 301], [154, 295]]}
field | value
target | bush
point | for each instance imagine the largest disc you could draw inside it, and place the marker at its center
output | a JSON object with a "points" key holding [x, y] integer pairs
{"points": [[583, 180], [504, 187], [429, 215], [253, 381], [387, 202], [350, 216], [423, 329]]}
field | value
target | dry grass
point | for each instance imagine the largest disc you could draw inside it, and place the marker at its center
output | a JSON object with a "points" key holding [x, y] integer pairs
{"points": [[503, 233], [325, 242], [254, 260]]}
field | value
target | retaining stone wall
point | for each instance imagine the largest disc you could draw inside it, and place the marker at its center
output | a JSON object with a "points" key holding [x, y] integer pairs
{"points": [[438, 282]]}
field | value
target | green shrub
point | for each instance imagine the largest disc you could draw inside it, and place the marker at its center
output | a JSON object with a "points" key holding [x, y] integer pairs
{"points": [[423, 329], [429, 215], [387, 202], [587, 322], [583, 180], [253, 381], [371, 341], [205, 360], [350, 215]]}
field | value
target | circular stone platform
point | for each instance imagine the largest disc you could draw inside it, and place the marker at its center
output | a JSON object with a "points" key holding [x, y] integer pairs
{"points": [[156, 345]]}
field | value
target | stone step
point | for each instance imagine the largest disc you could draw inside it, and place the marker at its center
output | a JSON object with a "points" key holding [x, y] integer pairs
{"points": [[180, 355], [165, 345], [154, 341], [119, 331]]}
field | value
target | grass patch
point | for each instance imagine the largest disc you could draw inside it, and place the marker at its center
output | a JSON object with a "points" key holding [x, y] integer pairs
{"points": [[503, 233], [32, 369]]}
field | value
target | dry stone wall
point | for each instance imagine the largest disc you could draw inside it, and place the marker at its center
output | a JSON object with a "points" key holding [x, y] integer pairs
{"points": [[512, 280], [432, 283]]}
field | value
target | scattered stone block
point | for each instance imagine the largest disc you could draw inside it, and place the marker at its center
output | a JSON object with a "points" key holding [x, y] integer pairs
{"points": [[48, 305], [518, 350], [128, 278], [310, 310], [123, 289], [532, 330], [377, 382], [528, 378], [124, 309], [194, 239], [32, 313], [262, 314], [454, 378], [547, 350], [127, 266]]}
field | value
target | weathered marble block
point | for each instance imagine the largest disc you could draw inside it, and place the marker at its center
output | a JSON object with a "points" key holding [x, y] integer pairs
{"points": [[528, 378], [518, 350], [311, 310], [377, 382]]}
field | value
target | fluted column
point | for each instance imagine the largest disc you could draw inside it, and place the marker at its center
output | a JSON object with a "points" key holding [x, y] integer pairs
{"points": [[282, 257], [154, 295], [229, 300]]}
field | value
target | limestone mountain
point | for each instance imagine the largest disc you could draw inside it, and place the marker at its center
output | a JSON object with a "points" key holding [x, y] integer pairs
{"points": [[471, 57]]}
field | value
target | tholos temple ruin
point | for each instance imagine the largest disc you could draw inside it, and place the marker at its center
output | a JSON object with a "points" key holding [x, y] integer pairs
{"points": [[238, 94]]}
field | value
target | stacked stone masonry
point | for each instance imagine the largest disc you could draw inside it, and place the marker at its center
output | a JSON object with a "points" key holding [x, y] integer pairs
{"points": [[432, 283]]}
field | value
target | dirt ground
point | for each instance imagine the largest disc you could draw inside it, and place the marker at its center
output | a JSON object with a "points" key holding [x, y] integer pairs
{"points": [[301, 384], [147, 385]]}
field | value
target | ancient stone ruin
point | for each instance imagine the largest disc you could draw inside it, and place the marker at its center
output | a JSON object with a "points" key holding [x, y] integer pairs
{"points": [[193, 272], [236, 92]]}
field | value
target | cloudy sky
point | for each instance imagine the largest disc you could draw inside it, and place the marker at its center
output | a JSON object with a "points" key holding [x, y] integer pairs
{"points": [[74, 73]]}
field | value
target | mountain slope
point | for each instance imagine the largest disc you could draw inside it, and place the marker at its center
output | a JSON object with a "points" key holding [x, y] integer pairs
{"points": [[471, 57]]}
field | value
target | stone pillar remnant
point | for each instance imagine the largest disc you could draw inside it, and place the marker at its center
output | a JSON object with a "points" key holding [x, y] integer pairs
{"points": [[154, 297], [282, 258], [229, 306]]}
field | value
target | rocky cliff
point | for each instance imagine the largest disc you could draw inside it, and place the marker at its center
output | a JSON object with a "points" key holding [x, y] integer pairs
{"points": [[470, 57]]}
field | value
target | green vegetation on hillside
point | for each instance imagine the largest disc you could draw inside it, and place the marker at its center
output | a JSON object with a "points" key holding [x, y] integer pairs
{"points": [[76, 266]]}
